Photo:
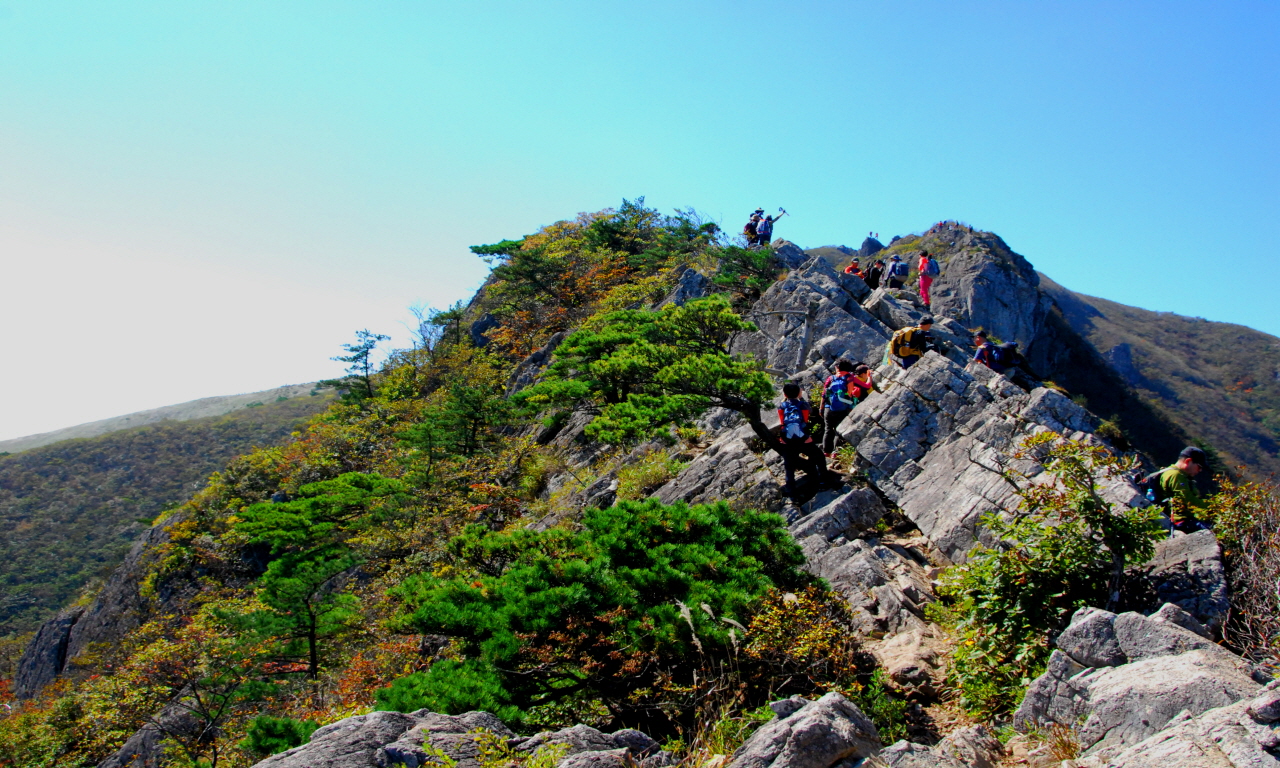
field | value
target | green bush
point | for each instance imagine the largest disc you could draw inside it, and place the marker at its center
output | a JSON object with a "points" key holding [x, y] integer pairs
{"points": [[269, 735], [625, 610], [1066, 549], [637, 480]]}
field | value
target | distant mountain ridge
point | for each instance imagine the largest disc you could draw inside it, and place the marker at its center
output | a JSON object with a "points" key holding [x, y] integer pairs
{"points": [[188, 411]]}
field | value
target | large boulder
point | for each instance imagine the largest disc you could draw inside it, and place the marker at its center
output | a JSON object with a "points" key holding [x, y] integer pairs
{"points": [[972, 747], [1245, 734], [810, 734], [1186, 571], [690, 285], [386, 739], [1122, 678], [45, 656]]}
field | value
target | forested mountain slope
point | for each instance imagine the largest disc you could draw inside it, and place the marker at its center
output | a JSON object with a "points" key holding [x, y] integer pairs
{"points": [[194, 409], [1220, 382], [68, 511]]}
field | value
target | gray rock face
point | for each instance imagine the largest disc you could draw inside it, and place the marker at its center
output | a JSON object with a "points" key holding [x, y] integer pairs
{"points": [[812, 316], [788, 253], [728, 469], [935, 439], [819, 734], [1187, 571], [972, 747], [853, 511], [386, 739], [1241, 735], [46, 655], [690, 285], [529, 368], [1124, 678]]}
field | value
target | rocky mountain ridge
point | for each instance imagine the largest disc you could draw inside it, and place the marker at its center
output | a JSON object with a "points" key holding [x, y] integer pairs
{"points": [[932, 447]]}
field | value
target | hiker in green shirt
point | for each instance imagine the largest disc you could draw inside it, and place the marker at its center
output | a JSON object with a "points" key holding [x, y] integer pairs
{"points": [[1176, 488]]}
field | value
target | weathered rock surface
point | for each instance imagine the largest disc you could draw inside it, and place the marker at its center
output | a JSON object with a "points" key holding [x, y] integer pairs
{"points": [[46, 654], [1242, 735], [1186, 571], [690, 285], [972, 747], [385, 739], [810, 734], [1125, 677]]}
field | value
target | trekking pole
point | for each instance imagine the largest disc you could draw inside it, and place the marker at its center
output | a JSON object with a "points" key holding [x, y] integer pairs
{"points": [[781, 212]]}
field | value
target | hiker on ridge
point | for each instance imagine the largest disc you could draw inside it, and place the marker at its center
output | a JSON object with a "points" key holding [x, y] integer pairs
{"points": [[909, 344], [874, 273], [928, 269], [897, 272], [1174, 489], [854, 269], [764, 231], [749, 231], [841, 391], [794, 417], [986, 351]]}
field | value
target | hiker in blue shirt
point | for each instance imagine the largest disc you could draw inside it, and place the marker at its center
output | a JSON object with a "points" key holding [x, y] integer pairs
{"points": [[794, 416]]}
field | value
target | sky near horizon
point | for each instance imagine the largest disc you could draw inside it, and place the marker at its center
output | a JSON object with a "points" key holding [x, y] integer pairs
{"points": [[206, 198]]}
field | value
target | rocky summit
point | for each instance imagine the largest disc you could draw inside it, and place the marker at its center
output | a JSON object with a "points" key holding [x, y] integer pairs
{"points": [[930, 476]]}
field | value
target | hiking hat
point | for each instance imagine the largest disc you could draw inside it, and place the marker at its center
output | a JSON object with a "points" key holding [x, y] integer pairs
{"points": [[1195, 454], [980, 334], [926, 320], [895, 257]]}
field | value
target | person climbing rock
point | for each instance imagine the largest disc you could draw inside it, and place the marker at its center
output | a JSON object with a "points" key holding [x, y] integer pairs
{"points": [[749, 231], [1175, 490], [874, 273], [794, 418], [928, 269], [764, 231], [909, 344], [854, 269], [1010, 362], [897, 272], [986, 351], [841, 391]]}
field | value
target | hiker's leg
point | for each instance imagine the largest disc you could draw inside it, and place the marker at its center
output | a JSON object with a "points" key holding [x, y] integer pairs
{"points": [[925, 282], [789, 465], [831, 421], [813, 452]]}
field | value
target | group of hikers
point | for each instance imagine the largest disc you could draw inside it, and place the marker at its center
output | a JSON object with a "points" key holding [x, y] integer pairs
{"points": [[759, 228], [1173, 487], [895, 273]]}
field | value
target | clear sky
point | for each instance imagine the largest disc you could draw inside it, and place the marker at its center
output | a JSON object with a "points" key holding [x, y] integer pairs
{"points": [[204, 198]]}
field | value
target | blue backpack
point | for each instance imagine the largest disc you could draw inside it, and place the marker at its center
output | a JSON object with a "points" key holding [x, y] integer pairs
{"points": [[837, 390], [793, 421], [899, 269], [932, 269]]}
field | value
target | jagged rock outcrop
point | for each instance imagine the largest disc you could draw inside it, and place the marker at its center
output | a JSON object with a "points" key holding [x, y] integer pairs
{"points": [[45, 656], [1186, 571], [690, 285], [119, 608], [870, 247], [1124, 677], [936, 436], [1241, 735], [386, 739], [810, 734]]}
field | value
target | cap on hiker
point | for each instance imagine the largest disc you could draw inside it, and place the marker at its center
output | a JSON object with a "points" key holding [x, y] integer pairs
{"points": [[895, 257], [926, 320], [1195, 454], [980, 334]]}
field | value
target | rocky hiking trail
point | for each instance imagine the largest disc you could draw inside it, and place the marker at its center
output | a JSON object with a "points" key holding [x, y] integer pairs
{"points": [[1145, 686]]}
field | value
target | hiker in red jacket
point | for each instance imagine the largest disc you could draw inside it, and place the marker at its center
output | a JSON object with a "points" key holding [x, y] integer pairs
{"points": [[928, 269], [841, 391]]}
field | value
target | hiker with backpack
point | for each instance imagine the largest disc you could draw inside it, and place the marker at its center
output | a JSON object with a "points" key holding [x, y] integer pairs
{"points": [[764, 231], [1174, 489], [749, 231], [986, 351], [928, 269], [841, 391], [897, 272], [854, 269], [794, 418], [874, 273], [909, 344]]}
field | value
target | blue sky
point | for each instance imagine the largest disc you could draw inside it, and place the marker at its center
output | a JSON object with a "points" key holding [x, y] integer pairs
{"points": [[202, 198]]}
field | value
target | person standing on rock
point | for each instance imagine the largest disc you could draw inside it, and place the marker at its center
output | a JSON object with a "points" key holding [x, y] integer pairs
{"points": [[764, 231], [1175, 489], [794, 418], [897, 272], [874, 273], [909, 344], [928, 269], [842, 390], [749, 231]]}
